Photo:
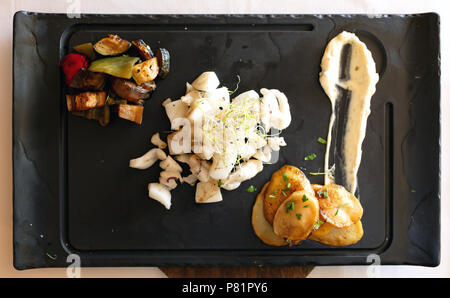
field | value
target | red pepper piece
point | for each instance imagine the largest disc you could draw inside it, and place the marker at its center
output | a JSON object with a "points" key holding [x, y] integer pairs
{"points": [[71, 64]]}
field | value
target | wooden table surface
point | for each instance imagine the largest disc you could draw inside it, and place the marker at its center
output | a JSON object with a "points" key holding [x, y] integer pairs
{"points": [[236, 272]]}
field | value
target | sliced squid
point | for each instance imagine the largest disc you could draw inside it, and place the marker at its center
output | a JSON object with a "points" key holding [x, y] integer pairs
{"points": [[275, 143], [156, 140], [207, 81], [169, 164], [191, 97], [170, 178], [160, 193], [148, 159], [263, 154], [208, 192], [191, 179], [244, 171], [223, 163], [175, 110], [275, 110]]}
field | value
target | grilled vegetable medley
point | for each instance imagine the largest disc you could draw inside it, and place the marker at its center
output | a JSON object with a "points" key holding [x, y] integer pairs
{"points": [[112, 75]]}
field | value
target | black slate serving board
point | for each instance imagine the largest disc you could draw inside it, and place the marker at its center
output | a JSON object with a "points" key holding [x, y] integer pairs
{"points": [[74, 191]]}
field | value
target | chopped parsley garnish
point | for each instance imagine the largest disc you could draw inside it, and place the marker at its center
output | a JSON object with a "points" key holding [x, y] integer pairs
{"points": [[219, 183], [321, 141], [311, 156], [284, 194], [316, 173], [290, 206], [299, 216], [318, 224], [337, 210], [305, 198], [251, 188], [323, 194], [272, 196], [288, 185], [285, 177], [306, 206], [51, 257]]}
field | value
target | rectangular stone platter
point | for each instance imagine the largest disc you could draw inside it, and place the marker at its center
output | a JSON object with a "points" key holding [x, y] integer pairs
{"points": [[75, 194]]}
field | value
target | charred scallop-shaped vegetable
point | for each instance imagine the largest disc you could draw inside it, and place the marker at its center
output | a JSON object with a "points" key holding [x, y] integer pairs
{"points": [[88, 80], [71, 64], [144, 50], [86, 49], [129, 90], [146, 71], [116, 66], [131, 112], [163, 57], [102, 115], [85, 101], [112, 45]]}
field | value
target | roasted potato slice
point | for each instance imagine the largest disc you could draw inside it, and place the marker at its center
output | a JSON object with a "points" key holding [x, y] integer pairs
{"points": [[316, 187], [283, 183], [263, 229], [338, 206], [146, 71], [323, 230], [296, 216], [339, 237]]}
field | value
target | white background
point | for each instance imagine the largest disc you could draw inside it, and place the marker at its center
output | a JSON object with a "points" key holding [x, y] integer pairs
{"points": [[7, 9]]}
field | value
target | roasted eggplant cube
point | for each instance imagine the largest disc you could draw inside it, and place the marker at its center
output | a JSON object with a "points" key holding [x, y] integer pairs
{"points": [[88, 80], [85, 101], [112, 45], [131, 112], [129, 90], [146, 71], [102, 115], [144, 50]]}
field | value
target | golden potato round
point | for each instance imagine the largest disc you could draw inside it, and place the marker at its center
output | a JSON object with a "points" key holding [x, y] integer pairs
{"points": [[316, 187], [263, 229], [340, 237], [296, 216], [338, 207], [283, 183], [323, 230]]}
